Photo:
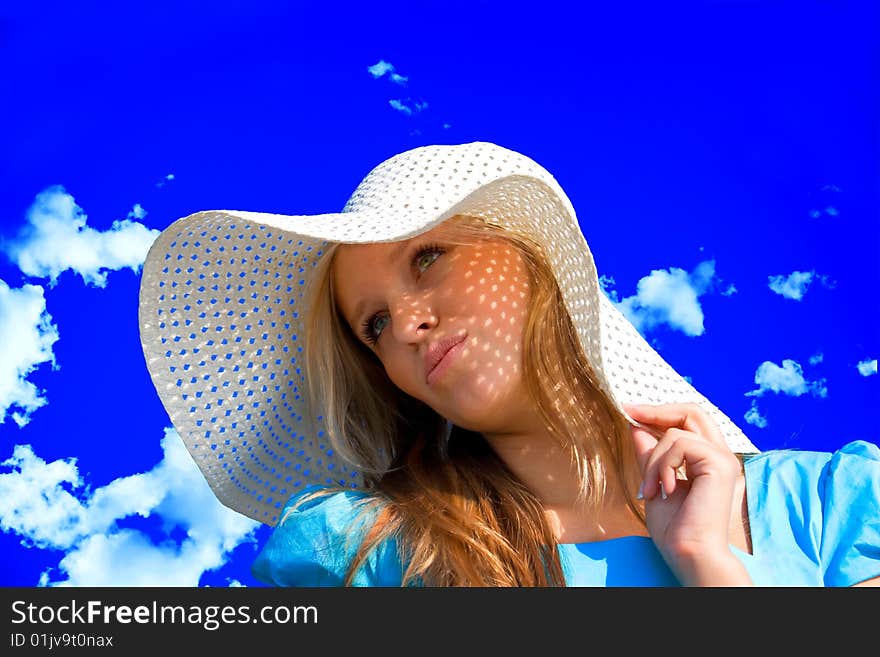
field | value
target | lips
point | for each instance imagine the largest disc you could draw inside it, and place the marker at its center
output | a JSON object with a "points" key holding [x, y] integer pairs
{"points": [[437, 350]]}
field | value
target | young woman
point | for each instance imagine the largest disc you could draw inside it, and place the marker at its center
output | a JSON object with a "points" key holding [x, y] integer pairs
{"points": [[466, 408]]}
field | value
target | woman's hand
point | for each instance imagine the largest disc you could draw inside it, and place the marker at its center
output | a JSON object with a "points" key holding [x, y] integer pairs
{"points": [[689, 519]]}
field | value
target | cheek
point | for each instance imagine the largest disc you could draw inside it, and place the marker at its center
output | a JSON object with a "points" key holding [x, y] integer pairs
{"points": [[506, 299], [401, 373]]}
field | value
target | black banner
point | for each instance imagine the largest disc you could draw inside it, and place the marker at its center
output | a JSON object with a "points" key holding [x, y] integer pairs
{"points": [[128, 621]]}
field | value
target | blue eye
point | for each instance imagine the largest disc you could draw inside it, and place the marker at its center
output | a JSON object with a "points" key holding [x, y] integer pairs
{"points": [[368, 329], [370, 325]]}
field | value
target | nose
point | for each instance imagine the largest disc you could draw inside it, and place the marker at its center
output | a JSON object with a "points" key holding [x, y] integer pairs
{"points": [[412, 318]]}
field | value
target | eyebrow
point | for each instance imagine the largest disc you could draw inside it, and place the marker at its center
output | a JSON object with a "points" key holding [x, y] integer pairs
{"points": [[392, 258]]}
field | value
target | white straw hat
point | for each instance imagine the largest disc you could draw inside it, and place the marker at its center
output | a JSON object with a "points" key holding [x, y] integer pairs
{"points": [[221, 324]]}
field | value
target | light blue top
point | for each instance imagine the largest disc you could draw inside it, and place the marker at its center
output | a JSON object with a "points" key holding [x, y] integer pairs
{"points": [[814, 516]]}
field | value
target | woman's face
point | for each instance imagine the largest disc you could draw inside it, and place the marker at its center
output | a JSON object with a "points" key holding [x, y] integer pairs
{"points": [[405, 300]]}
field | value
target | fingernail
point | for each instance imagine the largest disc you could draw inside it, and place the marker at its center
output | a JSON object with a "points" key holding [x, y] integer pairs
{"points": [[641, 494], [662, 491]]}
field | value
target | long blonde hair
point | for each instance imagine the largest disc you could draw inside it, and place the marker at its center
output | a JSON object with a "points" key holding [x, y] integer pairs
{"points": [[459, 514]]}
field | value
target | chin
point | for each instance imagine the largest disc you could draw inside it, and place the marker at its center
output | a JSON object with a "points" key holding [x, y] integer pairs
{"points": [[478, 414]]}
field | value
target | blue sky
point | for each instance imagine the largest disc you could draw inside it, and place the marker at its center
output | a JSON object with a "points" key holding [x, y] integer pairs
{"points": [[723, 158]]}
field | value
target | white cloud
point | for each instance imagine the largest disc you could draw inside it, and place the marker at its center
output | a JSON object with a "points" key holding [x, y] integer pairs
{"points": [[400, 107], [56, 239], [161, 183], [137, 212], [380, 68], [753, 416], [867, 367], [24, 324], [830, 210], [48, 505], [606, 283], [407, 105], [817, 358], [788, 379], [670, 297], [795, 285]]}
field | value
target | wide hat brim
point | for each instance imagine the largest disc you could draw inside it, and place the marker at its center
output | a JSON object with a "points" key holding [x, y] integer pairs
{"points": [[221, 319]]}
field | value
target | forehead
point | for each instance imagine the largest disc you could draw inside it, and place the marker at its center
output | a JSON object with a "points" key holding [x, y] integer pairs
{"points": [[377, 256], [358, 269]]}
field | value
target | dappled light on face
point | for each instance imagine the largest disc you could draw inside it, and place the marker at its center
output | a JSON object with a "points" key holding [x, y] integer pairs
{"points": [[434, 294], [482, 297]]}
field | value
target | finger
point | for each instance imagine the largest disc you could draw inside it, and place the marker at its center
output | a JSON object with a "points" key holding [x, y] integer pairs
{"points": [[687, 416], [681, 449], [710, 474], [658, 459], [667, 465], [644, 444]]}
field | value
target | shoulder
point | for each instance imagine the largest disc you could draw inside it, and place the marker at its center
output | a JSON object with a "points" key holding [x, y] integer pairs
{"points": [[798, 467], [326, 506], [824, 504], [318, 535]]}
